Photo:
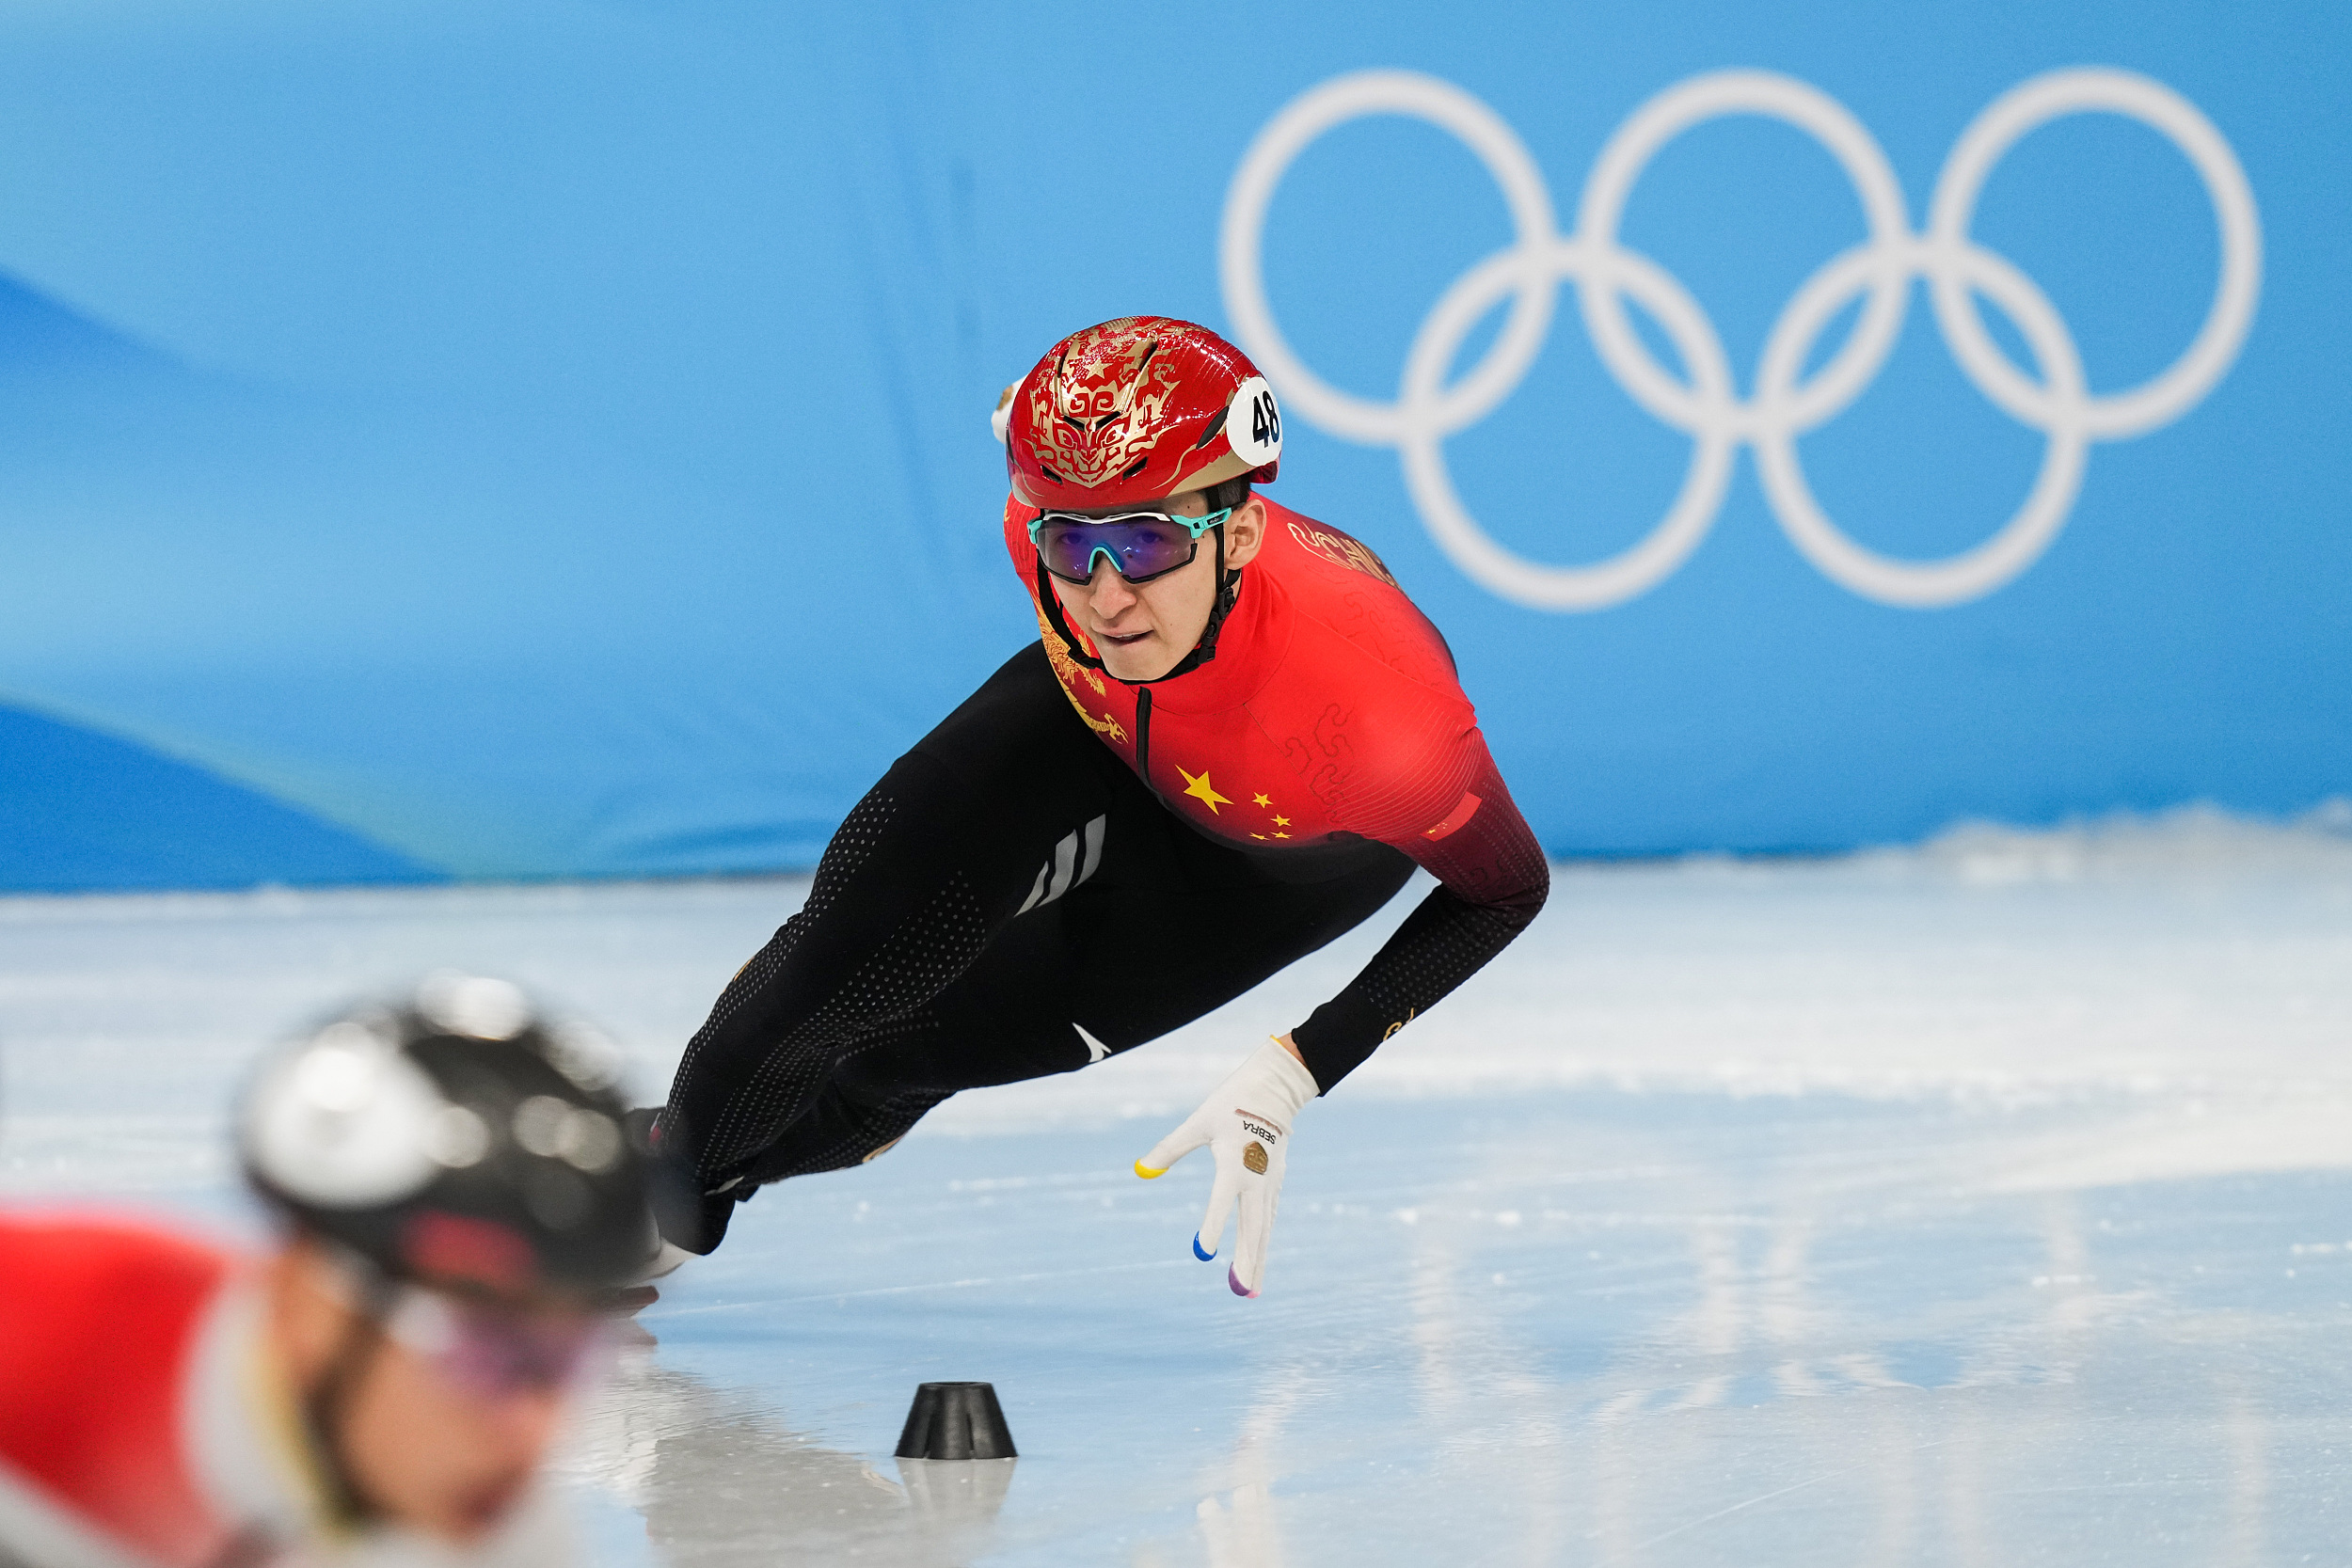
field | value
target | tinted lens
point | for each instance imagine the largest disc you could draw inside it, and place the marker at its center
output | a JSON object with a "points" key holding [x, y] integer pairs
{"points": [[1139, 546], [493, 1352]]}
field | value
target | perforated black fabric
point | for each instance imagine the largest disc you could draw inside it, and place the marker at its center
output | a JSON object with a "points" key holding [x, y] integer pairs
{"points": [[913, 965], [852, 842], [1441, 943], [849, 1134]]}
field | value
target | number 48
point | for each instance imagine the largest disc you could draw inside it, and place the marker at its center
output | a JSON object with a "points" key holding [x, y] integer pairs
{"points": [[1266, 423]]}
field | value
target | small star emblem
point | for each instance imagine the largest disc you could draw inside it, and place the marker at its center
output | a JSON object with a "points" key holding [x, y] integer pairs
{"points": [[1282, 821], [1281, 835], [1201, 789], [1260, 800]]}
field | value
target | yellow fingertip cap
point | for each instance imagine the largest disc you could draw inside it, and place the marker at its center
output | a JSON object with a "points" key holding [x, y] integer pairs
{"points": [[1147, 1172]]}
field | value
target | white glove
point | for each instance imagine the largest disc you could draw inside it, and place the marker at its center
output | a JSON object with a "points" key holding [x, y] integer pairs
{"points": [[1247, 1125]]}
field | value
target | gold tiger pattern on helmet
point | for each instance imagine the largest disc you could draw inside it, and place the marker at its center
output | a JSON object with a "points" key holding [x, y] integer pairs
{"points": [[1099, 413]]}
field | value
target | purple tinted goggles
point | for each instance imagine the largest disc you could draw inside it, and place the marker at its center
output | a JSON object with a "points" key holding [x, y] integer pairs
{"points": [[495, 1351], [1139, 545]]}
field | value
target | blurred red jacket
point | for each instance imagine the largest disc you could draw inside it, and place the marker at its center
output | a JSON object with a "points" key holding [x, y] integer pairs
{"points": [[133, 1401]]}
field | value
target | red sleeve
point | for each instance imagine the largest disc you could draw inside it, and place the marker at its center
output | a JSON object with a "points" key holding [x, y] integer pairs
{"points": [[1493, 879], [1479, 846]]}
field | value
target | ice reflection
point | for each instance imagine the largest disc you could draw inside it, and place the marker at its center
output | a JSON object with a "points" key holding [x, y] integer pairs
{"points": [[1799, 1370], [724, 1484], [1238, 1518], [2244, 1431]]}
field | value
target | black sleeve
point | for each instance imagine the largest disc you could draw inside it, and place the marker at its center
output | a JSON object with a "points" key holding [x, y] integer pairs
{"points": [[1494, 880]]}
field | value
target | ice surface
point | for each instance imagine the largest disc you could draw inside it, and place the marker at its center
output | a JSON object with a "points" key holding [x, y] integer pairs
{"points": [[1980, 1202]]}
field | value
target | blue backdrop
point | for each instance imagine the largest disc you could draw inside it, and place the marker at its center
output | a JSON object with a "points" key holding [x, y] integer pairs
{"points": [[522, 439]]}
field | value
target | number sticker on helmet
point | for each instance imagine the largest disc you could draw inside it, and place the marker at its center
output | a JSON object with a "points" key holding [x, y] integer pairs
{"points": [[1253, 423]]}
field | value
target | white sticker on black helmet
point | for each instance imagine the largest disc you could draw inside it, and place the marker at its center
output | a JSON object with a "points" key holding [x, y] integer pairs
{"points": [[457, 1137], [1253, 423], [346, 1122], [540, 1125], [583, 1056], [471, 1004]]}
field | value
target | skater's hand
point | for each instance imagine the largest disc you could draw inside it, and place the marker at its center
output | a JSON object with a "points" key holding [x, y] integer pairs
{"points": [[1247, 1126]]}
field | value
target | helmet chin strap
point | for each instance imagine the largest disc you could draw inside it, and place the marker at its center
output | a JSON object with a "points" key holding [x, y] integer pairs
{"points": [[1227, 594], [328, 1402]]}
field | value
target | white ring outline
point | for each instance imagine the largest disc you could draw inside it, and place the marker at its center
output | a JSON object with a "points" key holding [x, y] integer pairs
{"points": [[1782, 407], [1304, 121]]}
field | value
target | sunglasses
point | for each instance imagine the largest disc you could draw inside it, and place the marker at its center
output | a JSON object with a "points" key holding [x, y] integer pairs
{"points": [[494, 1352], [1139, 545]]}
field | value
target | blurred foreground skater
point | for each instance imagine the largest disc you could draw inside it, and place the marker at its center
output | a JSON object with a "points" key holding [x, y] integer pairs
{"points": [[1233, 742], [458, 1198]]}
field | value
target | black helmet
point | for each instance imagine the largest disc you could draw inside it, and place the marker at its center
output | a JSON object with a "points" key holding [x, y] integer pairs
{"points": [[455, 1138]]}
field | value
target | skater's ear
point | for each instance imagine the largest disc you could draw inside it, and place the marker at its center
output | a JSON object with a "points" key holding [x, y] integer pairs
{"points": [[1244, 531], [309, 1315]]}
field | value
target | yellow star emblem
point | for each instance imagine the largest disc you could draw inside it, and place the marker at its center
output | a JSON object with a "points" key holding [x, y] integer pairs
{"points": [[1281, 835], [1203, 790], [1282, 821], [1260, 800]]}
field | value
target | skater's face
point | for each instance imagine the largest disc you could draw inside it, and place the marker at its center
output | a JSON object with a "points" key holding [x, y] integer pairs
{"points": [[1143, 629], [446, 1418]]}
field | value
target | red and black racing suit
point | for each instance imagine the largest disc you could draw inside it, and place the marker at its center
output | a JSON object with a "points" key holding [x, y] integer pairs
{"points": [[1068, 858]]}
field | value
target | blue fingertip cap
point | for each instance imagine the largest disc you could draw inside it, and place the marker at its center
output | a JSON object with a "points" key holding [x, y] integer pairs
{"points": [[1204, 1256]]}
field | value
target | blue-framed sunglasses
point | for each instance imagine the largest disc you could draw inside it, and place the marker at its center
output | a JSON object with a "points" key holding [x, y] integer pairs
{"points": [[1139, 545]]}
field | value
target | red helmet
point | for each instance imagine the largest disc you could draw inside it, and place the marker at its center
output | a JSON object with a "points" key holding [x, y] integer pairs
{"points": [[1136, 409]]}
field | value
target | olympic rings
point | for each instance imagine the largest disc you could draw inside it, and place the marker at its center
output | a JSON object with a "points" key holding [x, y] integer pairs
{"points": [[1702, 400]]}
